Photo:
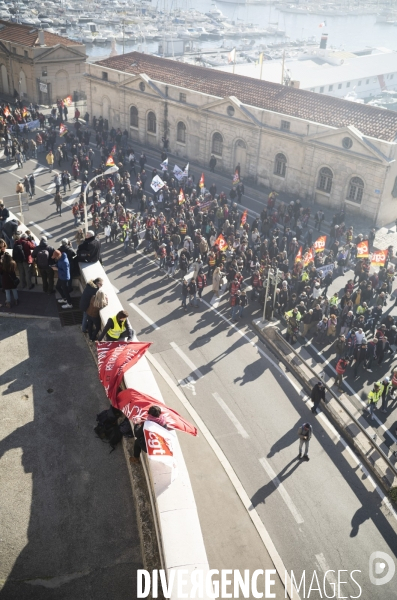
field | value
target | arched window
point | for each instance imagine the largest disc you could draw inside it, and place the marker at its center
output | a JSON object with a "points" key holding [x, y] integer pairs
{"points": [[217, 144], [356, 190], [324, 182], [151, 122], [280, 165], [134, 116], [181, 132]]}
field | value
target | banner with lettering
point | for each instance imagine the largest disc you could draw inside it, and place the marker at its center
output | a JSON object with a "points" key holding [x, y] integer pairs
{"points": [[114, 359], [363, 249], [309, 257], [325, 269], [319, 244], [378, 258]]}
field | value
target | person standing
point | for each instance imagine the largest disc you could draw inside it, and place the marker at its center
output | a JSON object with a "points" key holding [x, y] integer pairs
{"points": [[373, 398], [185, 293], [212, 163], [305, 432], [63, 267], [89, 291], [58, 203], [4, 215], [360, 355], [32, 182], [9, 279], [387, 388], [216, 281], [50, 160], [42, 255], [97, 302], [192, 288], [317, 394], [340, 368], [22, 255]]}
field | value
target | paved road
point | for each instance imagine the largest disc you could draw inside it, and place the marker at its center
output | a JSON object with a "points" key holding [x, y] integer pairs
{"points": [[326, 513]]}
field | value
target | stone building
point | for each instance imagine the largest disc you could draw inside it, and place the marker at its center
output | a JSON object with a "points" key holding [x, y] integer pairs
{"points": [[325, 150], [38, 65]]}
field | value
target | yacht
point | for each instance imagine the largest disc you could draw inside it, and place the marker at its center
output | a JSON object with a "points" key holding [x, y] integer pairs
{"points": [[215, 13]]}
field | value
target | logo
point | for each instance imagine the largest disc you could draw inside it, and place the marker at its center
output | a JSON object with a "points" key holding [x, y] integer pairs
{"points": [[382, 564]]}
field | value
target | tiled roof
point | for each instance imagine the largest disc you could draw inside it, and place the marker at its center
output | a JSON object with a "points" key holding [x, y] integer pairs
{"points": [[371, 121], [28, 35]]}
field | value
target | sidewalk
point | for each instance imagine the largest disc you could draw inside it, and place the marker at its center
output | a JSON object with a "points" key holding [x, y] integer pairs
{"points": [[68, 524]]}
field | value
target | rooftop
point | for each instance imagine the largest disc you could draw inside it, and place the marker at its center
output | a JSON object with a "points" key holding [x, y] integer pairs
{"points": [[28, 35], [335, 112]]}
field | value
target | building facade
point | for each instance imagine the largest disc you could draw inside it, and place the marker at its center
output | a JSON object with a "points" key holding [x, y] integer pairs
{"points": [[39, 66], [324, 150]]}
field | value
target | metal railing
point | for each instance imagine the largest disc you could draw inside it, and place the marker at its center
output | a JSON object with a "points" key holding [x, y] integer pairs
{"points": [[341, 404]]}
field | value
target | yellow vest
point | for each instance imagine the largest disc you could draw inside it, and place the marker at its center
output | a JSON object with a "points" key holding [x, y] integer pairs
{"points": [[117, 329], [333, 300]]}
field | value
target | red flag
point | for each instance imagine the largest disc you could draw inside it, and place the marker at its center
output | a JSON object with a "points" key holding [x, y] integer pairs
{"points": [[110, 162], [62, 130], [181, 197], [114, 359], [113, 150], [202, 181], [363, 249], [135, 405], [68, 100], [6, 112], [298, 257], [236, 177], [319, 244], [378, 258], [221, 242], [243, 218]]}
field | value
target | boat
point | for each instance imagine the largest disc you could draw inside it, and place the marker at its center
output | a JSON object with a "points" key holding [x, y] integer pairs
{"points": [[215, 13]]}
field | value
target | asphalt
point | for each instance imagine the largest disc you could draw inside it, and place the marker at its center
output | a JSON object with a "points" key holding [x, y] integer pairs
{"points": [[327, 513], [68, 524]]}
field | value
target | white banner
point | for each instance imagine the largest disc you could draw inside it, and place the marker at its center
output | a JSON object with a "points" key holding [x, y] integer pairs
{"points": [[30, 125], [322, 271], [157, 183], [179, 174], [164, 165], [160, 447], [43, 87], [186, 170]]}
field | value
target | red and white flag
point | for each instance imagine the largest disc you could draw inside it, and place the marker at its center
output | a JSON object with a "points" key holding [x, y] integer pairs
{"points": [[68, 100], [236, 177], [6, 111], [113, 150], [244, 218], [202, 181], [181, 197], [221, 242], [231, 57], [319, 244], [135, 406], [298, 257], [114, 359], [378, 258], [160, 449], [110, 161], [363, 249], [309, 257], [323, 24], [62, 130]]}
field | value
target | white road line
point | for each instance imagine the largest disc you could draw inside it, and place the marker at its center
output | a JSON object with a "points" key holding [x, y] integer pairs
{"points": [[322, 563], [353, 393], [283, 492], [251, 510], [115, 289], [39, 170], [187, 360], [144, 316], [33, 224], [231, 415]]}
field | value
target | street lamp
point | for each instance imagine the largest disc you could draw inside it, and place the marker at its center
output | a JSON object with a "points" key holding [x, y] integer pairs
{"points": [[108, 171]]}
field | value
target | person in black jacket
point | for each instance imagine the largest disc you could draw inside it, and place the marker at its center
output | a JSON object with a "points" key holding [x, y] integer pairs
{"points": [[44, 262], [90, 290], [89, 251], [317, 394], [154, 415]]}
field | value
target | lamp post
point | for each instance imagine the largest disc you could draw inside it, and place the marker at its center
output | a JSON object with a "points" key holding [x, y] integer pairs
{"points": [[108, 171]]}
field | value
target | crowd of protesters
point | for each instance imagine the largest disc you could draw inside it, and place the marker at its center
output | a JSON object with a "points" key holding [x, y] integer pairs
{"points": [[203, 237]]}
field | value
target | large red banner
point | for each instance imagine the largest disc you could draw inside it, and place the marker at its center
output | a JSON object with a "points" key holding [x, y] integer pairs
{"points": [[114, 359], [135, 406]]}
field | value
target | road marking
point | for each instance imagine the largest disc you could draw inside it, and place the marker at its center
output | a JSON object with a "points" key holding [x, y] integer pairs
{"points": [[33, 224], [39, 170], [283, 492], [322, 563], [188, 383], [231, 415], [230, 472], [353, 393], [144, 316], [115, 289], [187, 360]]}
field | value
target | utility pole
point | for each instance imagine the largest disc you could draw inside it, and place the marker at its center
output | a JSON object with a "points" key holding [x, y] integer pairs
{"points": [[282, 70], [267, 291]]}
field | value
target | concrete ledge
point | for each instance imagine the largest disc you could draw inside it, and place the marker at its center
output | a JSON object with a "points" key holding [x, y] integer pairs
{"points": [[336, 412], [179, 537]]}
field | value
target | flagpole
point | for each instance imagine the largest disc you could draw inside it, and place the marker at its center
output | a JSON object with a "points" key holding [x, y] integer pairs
{"points": [[260, 76], [234, 62]]}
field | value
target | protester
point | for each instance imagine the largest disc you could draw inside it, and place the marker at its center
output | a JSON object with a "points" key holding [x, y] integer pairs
{"points": [[118, 328]]}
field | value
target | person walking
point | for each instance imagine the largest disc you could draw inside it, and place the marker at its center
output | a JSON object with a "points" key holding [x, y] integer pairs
{"points": [[185, 293], [117, 328], [32, 182], [373, 398], [360, 355], [387, 389], [216, 281], [58, 203], [50, 160], [305, 432], [63, 267], [317, 394], [192, 288]]}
